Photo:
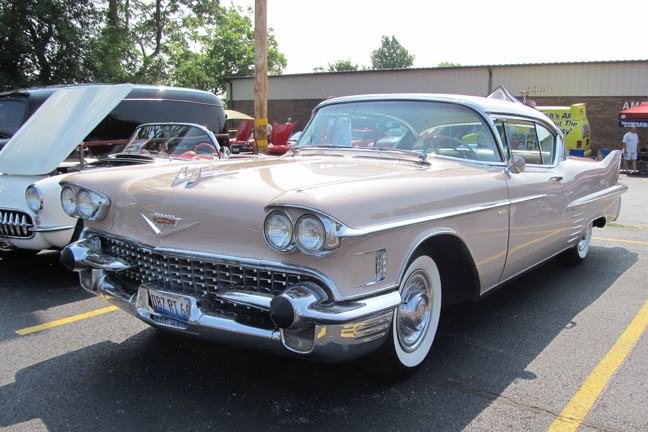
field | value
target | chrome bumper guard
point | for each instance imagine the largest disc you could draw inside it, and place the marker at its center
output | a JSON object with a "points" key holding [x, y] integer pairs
{"points": [[305, 323]]}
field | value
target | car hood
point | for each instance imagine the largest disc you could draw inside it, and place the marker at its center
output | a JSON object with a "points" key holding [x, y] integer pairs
{"points": [[57, 127], [223, 205]]}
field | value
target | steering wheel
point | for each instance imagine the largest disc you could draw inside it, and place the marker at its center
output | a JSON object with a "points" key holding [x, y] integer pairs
{"points": [[453, 144], [201, 145]]}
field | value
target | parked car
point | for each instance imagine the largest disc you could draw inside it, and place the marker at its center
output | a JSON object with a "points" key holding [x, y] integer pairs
{"points": [[173, 141], [38, 154], [335, 253], [572, 121], [144, 104], [244, 139], [280, 138]]}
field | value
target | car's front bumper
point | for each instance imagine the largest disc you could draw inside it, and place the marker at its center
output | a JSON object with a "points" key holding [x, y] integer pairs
{"points": [[302, 322]]}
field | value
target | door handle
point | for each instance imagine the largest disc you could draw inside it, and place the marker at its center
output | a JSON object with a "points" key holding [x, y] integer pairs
{"points": [[556, 178]]}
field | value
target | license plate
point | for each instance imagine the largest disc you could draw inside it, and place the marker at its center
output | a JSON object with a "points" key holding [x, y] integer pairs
{"points": [[169, 305]]}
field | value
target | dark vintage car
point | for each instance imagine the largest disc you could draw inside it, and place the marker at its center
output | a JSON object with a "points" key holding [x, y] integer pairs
{"points": [[333, 252], [56, 121]]}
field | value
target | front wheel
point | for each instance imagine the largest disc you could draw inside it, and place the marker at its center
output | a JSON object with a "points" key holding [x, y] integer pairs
{"points": [[577, 253], [414, 324]]}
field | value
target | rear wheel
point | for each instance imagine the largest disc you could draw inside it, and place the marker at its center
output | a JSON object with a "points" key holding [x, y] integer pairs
{"points": [[414, 324], [577, 253]]}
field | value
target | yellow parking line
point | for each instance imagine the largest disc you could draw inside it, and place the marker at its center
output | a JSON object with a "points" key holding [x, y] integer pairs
{"points": [[619, 240], [574, 413], [48, 325]]}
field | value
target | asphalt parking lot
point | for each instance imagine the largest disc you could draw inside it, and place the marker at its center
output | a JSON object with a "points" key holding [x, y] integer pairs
{"points": [[559, 349]]}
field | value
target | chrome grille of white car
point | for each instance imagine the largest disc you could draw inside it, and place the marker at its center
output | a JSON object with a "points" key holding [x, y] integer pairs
{"points": [[15, 224]]}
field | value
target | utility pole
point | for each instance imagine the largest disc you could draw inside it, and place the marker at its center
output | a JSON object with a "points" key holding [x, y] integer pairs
{"points": [[260, 77]]}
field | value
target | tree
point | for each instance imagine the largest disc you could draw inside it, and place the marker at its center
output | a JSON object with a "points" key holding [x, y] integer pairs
{"points": [[45, 41], [342, 66], [192, 43], [391, 55], [448, 64], [224, 48]]}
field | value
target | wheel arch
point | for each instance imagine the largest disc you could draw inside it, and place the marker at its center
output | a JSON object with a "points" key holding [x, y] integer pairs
{"points": [[459, 277]]}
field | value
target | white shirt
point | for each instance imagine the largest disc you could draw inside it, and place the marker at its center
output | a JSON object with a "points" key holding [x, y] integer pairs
{"points": [[631, 141]]}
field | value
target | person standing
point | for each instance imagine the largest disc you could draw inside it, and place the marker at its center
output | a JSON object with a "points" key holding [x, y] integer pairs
{"points": [[630, 147]]}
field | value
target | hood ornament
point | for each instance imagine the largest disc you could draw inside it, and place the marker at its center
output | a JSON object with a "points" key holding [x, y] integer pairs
{"points": [[197, 176], [165, 224]]}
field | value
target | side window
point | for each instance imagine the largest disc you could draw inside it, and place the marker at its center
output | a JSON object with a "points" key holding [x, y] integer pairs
{"points": [[532, 141], [461, 140], [501, 130], [547, 144]]}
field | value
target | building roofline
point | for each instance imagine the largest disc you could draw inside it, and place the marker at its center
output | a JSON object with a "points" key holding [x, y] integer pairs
{"points": [[450, 67]]}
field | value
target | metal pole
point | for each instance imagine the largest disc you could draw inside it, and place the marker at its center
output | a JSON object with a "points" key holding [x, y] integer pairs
{"points": [[261, 77]]}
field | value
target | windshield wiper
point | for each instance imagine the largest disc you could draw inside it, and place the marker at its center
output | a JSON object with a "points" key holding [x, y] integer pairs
{"points": [[422, 156], [296, 150]]}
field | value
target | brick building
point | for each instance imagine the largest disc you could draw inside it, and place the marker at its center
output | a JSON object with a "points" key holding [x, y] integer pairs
{"points": [[606, 88]]}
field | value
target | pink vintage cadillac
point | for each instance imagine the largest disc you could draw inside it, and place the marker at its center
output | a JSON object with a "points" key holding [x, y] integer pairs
{"points": [[333, 252]]}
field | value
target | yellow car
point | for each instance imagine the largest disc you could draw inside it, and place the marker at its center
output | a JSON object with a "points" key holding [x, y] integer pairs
{"points": [[572, 121]]}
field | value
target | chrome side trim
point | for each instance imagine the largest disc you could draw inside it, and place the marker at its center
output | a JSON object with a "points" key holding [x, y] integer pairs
{"points": [[438, 216], [52, 229], [597, 196]]}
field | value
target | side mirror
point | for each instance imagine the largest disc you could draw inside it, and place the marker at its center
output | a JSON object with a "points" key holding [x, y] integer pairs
{"points": [[516, 165]]}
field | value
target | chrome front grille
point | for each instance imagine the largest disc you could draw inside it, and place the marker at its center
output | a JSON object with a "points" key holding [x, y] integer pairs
{"points": [[200, 278], [15, 224]]}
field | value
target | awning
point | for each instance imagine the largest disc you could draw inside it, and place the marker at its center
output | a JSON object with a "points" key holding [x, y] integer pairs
{"points": [[635, 116], [235, 115]]}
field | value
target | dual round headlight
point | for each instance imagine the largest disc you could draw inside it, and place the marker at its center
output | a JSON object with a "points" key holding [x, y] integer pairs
{"points": [[308, 233], [83, 203]]}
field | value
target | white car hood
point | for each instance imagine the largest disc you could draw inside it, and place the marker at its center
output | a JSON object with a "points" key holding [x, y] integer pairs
{"points": [[57, 127]]}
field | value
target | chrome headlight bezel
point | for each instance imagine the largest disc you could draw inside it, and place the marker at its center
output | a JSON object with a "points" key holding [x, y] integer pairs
{"points": [[84, 203], [326, 231], [34, 199]]}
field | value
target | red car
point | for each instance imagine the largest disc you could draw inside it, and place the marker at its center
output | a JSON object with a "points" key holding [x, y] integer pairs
{"points": [[244, 141], [281, 132]]}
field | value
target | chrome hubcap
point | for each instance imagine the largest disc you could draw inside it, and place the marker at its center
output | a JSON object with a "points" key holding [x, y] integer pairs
{"points": [[414, 312], [584, 241]]}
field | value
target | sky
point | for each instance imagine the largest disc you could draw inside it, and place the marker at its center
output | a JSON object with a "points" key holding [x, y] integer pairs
{"points": [[314, 33]]}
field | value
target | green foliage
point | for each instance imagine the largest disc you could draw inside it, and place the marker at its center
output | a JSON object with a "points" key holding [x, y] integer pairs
{"points": [[226, 50], [342, 66], [391, 55], [45, 41], [448, 64], [192, 43]]}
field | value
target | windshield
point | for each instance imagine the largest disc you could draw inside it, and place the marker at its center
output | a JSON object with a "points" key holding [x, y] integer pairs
{"points": [[12, 113], [444, 129], [173, 140]]}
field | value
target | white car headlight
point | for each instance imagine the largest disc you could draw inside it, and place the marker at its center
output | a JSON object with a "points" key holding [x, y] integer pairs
{"points": [[68, 200], [34, 199], [278, 230], [310, 234]]}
